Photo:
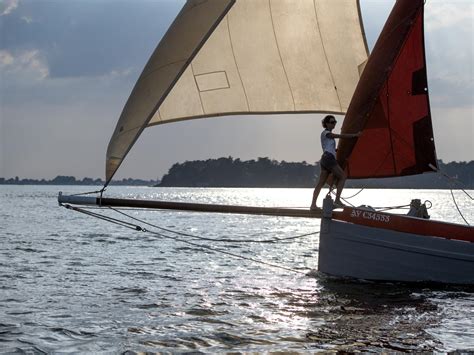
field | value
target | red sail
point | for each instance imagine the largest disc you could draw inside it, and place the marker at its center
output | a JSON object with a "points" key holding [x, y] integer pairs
{"points": [[391, 104]]}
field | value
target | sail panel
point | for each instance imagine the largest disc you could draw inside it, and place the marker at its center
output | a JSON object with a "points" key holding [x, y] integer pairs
{"points": [[278, 56], [330, 16], [186, 35], [391, 104], [263, 57]]}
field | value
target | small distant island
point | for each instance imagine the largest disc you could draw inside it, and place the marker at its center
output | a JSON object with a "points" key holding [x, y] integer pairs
{"points": [[265, 172]]}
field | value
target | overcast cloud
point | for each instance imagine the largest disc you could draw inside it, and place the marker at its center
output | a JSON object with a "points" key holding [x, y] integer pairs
{"points": [[67, 68]]}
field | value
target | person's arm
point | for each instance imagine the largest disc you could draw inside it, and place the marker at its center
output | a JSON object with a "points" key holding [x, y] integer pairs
{"points": [[346, 135]]}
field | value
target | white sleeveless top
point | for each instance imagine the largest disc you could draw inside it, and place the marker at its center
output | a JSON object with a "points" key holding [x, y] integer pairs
{"points": [[328, 144]]}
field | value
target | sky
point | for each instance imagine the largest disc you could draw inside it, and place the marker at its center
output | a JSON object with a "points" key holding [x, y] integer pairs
{"points": [[68, 67]]}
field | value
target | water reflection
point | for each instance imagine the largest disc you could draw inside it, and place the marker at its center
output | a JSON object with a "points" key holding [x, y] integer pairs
{"points": [[368, 316]]}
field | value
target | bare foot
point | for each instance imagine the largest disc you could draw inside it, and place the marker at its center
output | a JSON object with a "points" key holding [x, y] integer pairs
{"points": [[339, 204]]}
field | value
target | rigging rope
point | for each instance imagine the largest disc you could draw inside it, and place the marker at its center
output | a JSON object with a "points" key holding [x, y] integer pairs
{"points": [[331, 191], [274, 240], [89, 193], [388, 208], [103, 217], [454, 200], [216, 250], [451, 179], [456, 181], [354, 195]]}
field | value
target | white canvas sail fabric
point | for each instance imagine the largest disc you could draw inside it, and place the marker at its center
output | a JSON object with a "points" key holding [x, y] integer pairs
{"points": [[232, 57]]}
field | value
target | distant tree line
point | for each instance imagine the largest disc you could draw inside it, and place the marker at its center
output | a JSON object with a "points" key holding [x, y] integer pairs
{"points": [[264, 172], [229, 172], [71, 180]]}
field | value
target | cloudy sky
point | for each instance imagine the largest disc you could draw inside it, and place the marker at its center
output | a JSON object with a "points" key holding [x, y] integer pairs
{"points": [[67, 68]]}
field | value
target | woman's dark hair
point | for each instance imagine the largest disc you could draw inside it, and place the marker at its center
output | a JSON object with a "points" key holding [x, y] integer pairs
{"points": [[326, 120]]}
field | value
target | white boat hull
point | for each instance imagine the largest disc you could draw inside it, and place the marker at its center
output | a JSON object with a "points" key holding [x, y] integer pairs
{"points": [[357, 251]]}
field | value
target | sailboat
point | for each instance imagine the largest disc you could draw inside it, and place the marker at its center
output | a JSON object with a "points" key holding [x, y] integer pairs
{"points": [[309, 56]]}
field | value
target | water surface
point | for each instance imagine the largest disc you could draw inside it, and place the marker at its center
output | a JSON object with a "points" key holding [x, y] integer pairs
{"points": [[73, 283]]}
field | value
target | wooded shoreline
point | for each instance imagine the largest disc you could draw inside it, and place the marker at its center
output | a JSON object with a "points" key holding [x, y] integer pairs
{"points": [[263, 172], [267, 173]]}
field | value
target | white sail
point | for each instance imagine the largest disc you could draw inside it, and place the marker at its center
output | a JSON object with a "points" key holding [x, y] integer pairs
{"points": [[227, 57]]}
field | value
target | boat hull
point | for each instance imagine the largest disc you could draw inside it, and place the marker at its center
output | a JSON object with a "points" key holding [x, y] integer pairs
{"points": [[358, 251]]}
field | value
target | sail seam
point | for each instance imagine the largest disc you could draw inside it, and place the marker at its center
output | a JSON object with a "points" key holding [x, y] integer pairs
{"points": [[159, 114], [279, 55], [325, 54], [390, 127], [197, 87], [147, 74], [236, 65], [382, 163], [235, 113]]}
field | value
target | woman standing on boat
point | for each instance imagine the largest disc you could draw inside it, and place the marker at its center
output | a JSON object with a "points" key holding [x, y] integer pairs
{"points": [[328, 161]]}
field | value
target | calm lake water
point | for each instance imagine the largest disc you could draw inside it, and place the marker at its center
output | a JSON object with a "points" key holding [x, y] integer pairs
{"points": [[73, 283]]}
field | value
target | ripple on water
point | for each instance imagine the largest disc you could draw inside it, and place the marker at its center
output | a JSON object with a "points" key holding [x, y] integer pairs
{"points": [[73, 334], [131, 290], [198, 311]]}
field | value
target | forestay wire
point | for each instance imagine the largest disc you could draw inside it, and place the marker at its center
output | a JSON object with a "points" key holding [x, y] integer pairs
{"points": [[137, 227]]}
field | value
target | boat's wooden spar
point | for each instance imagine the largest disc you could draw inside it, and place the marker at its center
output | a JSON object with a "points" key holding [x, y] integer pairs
{"points": [[186, 206]]}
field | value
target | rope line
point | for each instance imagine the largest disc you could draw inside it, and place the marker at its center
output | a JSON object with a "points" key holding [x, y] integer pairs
{"points": [[388, 208], [200, 246], [358, 192], [331, 191], [90, 192], [226, 252], [274, 240], [379, 209], [454, 200], [105, 218], [452, 179]]}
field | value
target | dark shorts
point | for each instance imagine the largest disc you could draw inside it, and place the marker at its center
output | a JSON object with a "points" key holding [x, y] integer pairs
{"points": [[328, 161]]}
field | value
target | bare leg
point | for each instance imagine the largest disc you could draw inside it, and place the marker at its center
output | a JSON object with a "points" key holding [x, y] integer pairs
{"points": [[341, 179], [322, 180], [332, 184]]}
